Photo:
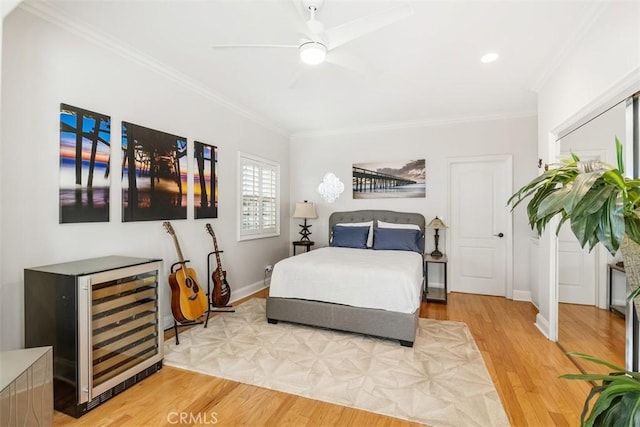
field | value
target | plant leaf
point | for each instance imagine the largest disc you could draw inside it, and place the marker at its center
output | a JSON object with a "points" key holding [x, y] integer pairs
{"points": [[619, 156], [581, 185], [554, 202], [596, 360]]}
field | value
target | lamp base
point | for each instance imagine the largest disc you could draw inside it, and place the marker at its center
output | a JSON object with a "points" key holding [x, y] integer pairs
{"points": [[304, 232], [436, 254]]}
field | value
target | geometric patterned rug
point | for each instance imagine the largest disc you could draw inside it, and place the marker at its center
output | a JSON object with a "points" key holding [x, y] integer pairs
{"points": [[441, 381]]}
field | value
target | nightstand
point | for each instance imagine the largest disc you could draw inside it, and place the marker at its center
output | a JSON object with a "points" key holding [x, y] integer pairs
{"points": [[435, 294], [304, 243]]}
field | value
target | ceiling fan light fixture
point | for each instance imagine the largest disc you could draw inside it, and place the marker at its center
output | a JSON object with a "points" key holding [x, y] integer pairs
{"points": [[489, 57], [313, 53]]}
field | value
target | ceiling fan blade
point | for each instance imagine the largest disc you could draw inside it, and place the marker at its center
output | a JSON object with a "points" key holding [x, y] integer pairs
{"points": [[293, 81], [344, 33], [258, 45], [351, 63]]}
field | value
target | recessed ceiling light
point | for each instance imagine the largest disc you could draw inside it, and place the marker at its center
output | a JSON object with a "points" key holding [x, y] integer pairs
{"points": [[489, 57]]}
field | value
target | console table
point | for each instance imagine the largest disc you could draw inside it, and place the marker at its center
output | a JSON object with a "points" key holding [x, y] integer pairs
{"points": [[620, 310]]}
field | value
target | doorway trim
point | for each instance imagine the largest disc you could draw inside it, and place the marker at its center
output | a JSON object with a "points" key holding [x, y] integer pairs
{"points": [[624, 89], [508, 160]]}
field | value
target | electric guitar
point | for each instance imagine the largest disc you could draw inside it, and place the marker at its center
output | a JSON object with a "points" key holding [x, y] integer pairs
{"points": [[188, 301], [221, 290]]}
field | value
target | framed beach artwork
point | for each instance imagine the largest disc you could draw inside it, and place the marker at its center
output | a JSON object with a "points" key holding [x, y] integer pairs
{"points": [[154, 174], [85, 143], [205, 180], [389, 179]]}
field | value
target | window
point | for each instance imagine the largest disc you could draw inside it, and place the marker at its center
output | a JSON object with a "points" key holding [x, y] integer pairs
{"points": [[259, 197]]}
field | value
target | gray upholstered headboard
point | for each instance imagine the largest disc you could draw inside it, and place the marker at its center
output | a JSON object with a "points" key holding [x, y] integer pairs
{"points": [[375, 215]]}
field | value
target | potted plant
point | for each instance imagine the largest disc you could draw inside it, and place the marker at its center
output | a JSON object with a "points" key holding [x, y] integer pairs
{"points": [[601, 206], [618, 402]]}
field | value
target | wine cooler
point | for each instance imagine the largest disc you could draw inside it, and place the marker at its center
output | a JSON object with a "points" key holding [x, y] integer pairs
{"points": [[101, 316]]}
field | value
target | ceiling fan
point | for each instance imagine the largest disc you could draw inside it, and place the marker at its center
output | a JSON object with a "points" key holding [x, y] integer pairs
{"points": [[318, 44]]}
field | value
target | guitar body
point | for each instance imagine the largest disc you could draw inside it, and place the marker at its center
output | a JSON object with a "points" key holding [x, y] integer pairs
{"points": [[188, 302], [221, 291]]}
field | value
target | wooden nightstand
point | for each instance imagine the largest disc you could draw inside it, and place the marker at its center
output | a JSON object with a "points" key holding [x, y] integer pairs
{"points": [[435, 294], [305, 243]]}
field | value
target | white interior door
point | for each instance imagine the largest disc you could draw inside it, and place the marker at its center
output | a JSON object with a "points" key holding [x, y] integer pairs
{"points": [[480, 228], [578, 269]]}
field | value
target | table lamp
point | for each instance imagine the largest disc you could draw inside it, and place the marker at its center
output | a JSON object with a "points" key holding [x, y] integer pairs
{"points": [[307, 211], [436, 223]]}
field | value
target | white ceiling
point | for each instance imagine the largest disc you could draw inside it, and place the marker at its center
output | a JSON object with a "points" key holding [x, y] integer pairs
{"points": [[424, 68]]}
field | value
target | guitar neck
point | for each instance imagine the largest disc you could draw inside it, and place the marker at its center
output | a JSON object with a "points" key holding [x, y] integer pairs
{"points": [[215, 248], [178, 251]]}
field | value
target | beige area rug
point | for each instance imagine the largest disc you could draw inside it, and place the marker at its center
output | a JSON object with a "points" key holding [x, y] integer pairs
{"points": [[441, 381]]}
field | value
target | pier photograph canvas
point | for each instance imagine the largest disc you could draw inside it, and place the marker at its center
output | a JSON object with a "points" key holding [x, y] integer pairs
{"points": [[389, 179], [154, 174], [205, 180], [85, 138]]}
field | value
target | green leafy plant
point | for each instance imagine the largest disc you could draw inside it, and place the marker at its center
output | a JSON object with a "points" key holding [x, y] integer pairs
{"points": [[599, 202], [618, 396], [602, 206]]}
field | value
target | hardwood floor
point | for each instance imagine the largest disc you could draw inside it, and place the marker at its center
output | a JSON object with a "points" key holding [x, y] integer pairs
{"points": [[523, 364], [579, 324]]}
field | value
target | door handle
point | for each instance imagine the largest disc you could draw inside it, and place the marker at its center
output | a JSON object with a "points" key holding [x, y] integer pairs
{"points": [[499, 235]]}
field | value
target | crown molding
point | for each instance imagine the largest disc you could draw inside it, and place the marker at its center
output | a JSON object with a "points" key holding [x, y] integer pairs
{"points": [[54, 15], [581, 30], [412, 124]]}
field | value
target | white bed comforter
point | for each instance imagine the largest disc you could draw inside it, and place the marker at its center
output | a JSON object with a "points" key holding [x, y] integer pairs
{"points": [[388, 280]]}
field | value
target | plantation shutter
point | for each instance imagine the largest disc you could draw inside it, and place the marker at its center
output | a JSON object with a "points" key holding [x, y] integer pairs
{"points": [[259, 197]]}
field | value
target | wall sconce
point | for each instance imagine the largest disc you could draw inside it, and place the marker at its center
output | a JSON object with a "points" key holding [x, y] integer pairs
{"points": [[330, 188], [307, 211], [436, 223]]}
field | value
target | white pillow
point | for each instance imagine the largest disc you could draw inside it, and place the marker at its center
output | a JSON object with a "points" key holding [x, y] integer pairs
{"points": [[362, 224], [382, 224]]}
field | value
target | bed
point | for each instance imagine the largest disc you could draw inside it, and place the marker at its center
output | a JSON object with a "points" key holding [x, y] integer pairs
{"points": [[384, 303]]}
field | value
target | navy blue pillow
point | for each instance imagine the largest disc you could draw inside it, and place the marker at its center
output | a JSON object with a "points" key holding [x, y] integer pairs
{"points": [[398, 239], [349, 237]]}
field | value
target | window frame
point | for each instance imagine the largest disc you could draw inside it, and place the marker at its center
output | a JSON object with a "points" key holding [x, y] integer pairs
{"points": [[264, 165]]}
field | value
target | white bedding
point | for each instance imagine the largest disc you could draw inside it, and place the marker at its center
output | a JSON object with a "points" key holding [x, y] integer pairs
{"points": [[388, 280]]}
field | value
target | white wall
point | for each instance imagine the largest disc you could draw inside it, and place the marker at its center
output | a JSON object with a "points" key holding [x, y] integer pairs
{"points": [[44, 65], [314, 155], [601, 70]]}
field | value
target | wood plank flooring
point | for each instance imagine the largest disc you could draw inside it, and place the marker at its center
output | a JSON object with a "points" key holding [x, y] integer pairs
{"points": [[523, 364], [578, 326]]}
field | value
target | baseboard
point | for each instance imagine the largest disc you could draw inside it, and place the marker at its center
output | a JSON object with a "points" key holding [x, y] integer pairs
{"points": [[236, 295], [543, 325], [521, 295], [245, 291]]}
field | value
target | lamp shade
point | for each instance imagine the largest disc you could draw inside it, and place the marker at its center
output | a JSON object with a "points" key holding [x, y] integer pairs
{"points": [[305, 210], [436, 223]]}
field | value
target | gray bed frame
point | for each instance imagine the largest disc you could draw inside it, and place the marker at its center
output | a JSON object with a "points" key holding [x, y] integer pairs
{"points": [[375, 322]]}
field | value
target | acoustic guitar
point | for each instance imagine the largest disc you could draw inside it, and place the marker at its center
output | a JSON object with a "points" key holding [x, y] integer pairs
{"points": [[221, 290], [188, 301]]}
